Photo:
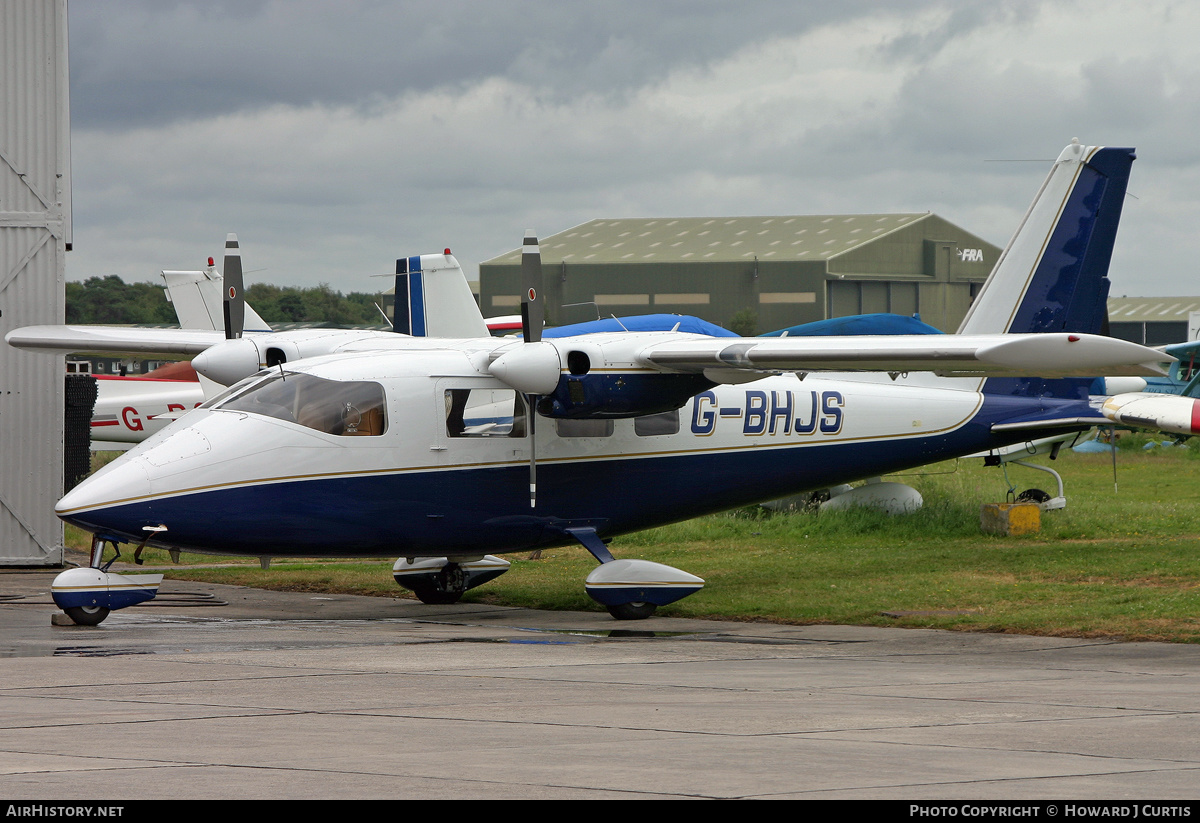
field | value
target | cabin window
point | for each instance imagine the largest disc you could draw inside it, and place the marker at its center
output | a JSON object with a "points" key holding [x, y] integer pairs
{"points": [[347, 408], [653, 425], [567, 427], [1188, 368], [484, 413]]}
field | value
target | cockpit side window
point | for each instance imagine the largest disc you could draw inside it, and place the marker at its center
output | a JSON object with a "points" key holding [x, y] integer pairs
{"points": [[346, 408], [237, 388], [484, 413]]}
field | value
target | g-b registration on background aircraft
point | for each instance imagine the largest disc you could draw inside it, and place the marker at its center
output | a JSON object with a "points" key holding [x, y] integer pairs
{"points": [[446, 452], [130, 409]]}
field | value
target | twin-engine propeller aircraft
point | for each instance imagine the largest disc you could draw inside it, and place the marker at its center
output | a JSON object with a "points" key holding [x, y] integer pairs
{"points": [[130, 409], [445, 452], [434, 299]]}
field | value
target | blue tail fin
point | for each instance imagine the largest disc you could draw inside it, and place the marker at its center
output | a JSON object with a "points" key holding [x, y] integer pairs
{"points": [[1053, 275]]}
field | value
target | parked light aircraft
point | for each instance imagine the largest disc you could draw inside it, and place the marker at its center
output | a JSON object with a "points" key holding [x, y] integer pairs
{"points": [[441, 451], [130, 409]]}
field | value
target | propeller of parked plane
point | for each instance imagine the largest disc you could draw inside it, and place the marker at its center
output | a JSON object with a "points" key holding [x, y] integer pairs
{"points": [[235, 301]]}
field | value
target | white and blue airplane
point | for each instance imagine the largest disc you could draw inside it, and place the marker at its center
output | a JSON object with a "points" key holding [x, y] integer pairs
{"points": [[446, 452]]}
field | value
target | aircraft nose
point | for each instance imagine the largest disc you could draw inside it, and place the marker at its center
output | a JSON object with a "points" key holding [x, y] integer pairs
{"points": [[93, 503]]}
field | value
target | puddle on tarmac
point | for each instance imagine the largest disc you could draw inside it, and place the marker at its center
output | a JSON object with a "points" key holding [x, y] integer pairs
{"points": [[524, 636]]}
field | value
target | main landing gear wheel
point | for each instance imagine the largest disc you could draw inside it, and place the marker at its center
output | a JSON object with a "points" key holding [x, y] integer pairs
{"points": [[1033, 496], [87, 615], [448, 586], [632, 611]]}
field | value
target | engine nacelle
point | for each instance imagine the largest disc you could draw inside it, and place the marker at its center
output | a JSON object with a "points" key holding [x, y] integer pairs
{"points": [[232, 360], [601, 396], [603, 381]]}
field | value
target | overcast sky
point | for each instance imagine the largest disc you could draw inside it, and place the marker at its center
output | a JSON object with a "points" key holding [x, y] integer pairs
{"points": [[334, 137]]}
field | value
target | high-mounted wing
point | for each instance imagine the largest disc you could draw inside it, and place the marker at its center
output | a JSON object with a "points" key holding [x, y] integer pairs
{"points": [[113, 340], [436, 291], [950, 355]]}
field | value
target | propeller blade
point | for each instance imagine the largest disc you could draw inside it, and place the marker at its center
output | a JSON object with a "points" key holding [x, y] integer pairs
{"points": [[532, 454], [235, 301], [533, 318], [533, 315]]}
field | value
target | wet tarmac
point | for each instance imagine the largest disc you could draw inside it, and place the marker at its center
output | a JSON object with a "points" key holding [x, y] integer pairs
{"points": [[224, 692]]}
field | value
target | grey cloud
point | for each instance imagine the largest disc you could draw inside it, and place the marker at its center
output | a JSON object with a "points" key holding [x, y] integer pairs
{"points": [[152, 62], [334, 142]]}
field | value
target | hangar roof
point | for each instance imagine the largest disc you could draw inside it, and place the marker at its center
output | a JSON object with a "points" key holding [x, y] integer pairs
{"points": [[668, 239], [1151, 309]]}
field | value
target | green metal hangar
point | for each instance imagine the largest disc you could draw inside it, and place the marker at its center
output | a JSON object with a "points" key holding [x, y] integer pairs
{"points": [[1154, 321], [756, 274]]}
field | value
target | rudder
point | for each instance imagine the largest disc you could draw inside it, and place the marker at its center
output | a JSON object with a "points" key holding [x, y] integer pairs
{"points": [[1053, 275]]}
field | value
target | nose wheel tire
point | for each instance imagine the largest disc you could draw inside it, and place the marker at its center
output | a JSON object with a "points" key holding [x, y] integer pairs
{"points": [[448, 586], [432, 597], [87, 615], [632, 611]]}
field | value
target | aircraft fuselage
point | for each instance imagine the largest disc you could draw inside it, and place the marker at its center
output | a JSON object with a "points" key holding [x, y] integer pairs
{"points": [[442, 467]]}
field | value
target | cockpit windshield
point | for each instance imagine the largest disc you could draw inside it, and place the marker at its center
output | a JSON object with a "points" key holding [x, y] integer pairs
{"points": [[341, 407]]}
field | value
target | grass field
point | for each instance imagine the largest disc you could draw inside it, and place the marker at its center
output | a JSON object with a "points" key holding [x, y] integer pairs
{"points": [[1112, 564]]}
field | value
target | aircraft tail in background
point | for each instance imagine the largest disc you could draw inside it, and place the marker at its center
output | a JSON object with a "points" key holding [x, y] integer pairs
{"points": [[198, 300], [433, 299]]}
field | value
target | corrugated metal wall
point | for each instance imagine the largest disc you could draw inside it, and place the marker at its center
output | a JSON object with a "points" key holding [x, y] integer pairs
{"points": [[35, 232]]}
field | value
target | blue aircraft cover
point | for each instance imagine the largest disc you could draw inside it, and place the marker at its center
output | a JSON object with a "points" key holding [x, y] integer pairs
{"points": [[858, 324], [642, 322], [1094, 447]]}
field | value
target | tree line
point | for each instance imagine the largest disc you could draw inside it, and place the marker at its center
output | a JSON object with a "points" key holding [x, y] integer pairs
{"points": [[111, 301]]}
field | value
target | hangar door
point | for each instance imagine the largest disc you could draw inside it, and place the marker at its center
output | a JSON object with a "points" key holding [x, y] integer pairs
{"points": [[850, 297], [35, 232]]}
